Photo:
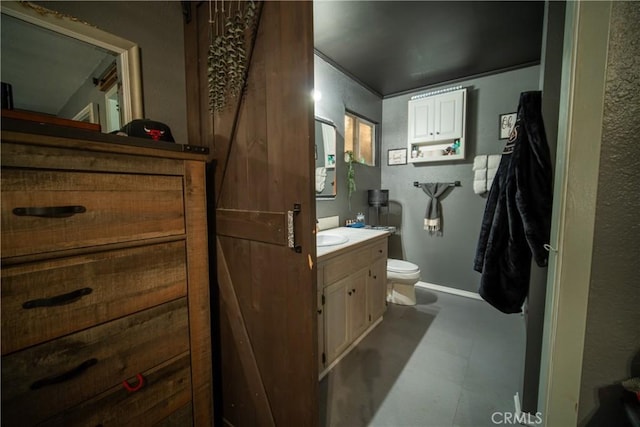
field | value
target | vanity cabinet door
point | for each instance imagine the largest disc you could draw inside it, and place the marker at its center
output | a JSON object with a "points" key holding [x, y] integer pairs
{"points": [[336, 318], [377, 289], [357, 293], [321, 351]]}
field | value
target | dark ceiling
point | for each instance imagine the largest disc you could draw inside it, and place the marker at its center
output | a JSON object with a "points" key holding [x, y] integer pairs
{"points": [[396, 46]]}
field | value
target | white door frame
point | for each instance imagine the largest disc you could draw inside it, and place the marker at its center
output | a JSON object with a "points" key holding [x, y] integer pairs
{"points": [[574, 206]]}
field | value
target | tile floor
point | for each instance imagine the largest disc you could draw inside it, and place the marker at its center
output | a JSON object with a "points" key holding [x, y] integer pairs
{"points": [[448, 361]]}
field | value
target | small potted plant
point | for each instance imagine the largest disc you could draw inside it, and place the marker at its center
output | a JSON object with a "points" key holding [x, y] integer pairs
{"points": [[351, 174]]}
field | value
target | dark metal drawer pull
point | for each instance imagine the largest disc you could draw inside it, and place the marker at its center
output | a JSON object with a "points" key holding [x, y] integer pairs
{"points": [[58, 299], [66, 376], [50, 211]]}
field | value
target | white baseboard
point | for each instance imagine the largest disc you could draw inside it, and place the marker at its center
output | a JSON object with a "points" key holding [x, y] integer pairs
{"points": [[525, 418], [449, 290]]}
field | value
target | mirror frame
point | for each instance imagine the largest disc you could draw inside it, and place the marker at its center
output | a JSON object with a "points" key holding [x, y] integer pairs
{"points": [[333, 196], [127, 51]]}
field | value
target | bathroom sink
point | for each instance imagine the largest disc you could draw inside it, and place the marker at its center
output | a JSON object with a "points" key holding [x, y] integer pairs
{"points": [[325, 239]]}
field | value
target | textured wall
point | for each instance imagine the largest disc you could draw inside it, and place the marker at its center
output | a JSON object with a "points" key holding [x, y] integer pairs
{"points": [[157, 28], [340, 93], [447, 260], [612, 341]]}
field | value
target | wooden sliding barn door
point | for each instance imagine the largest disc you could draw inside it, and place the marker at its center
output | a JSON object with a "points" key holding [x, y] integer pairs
{"points": [[263, 145]]}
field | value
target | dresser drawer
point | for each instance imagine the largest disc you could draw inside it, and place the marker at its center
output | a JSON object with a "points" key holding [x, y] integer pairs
{"points": [[345, 264], [109, 208], [379, 250], [163, 399], [44, 380], [45, 300]]}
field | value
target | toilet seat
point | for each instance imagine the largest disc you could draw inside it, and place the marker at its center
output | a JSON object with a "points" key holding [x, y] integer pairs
{"points": [[399, 266]]}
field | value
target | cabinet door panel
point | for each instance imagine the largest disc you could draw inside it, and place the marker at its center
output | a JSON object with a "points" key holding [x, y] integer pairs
{"points": [[358, 303], [421, 120], [321, 345], [377, 289], [336, 318], [448, 116]]}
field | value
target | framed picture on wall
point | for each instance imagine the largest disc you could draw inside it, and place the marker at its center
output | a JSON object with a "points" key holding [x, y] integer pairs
{"points": [[506, 124], [397, 156]]}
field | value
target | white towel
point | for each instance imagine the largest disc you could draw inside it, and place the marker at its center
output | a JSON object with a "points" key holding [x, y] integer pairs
{"points": [[480, 181], [480, 162], [321, 175], [480, 174]]}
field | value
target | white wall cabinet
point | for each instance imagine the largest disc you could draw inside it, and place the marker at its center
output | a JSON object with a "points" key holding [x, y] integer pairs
{"points": [[436, 127], [351, 291]]}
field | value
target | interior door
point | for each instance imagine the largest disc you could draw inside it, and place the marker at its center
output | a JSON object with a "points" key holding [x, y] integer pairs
{"points": [[263, 146]]}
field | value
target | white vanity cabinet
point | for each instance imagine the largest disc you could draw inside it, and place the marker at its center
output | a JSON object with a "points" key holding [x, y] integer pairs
{"points": [[377, 289], [351, 295], [435, 123], [345, 312]]}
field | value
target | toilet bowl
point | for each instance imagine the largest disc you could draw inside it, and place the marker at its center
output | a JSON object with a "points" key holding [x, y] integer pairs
{"points": [[401, 279]]}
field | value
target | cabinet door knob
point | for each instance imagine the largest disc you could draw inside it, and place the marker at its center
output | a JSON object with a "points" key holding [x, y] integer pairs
{"points": [[353, 290], [319, 311], [349, 293]]}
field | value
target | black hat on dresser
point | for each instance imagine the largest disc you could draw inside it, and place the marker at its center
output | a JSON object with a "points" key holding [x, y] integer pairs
{"points": [[148, 129]]}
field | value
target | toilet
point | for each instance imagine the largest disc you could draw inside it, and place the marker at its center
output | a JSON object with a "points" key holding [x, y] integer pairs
{"points": [[401, 279]]}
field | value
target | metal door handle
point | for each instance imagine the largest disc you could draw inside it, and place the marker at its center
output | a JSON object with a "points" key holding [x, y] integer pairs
{"points": [[291, 232]]}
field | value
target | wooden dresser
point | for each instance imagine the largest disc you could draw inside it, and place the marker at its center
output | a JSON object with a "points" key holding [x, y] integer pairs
{"points": [[105, 286]]}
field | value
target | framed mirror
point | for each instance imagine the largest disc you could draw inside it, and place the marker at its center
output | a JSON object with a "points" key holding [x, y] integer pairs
{"points": [[325, 155], [91, 75]]}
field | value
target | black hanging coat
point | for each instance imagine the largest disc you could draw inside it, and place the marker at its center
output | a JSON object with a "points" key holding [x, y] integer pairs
{"points": [[517, 216]]}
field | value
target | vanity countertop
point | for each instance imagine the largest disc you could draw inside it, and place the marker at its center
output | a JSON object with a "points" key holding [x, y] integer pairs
{"points": [[355, 236]]}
